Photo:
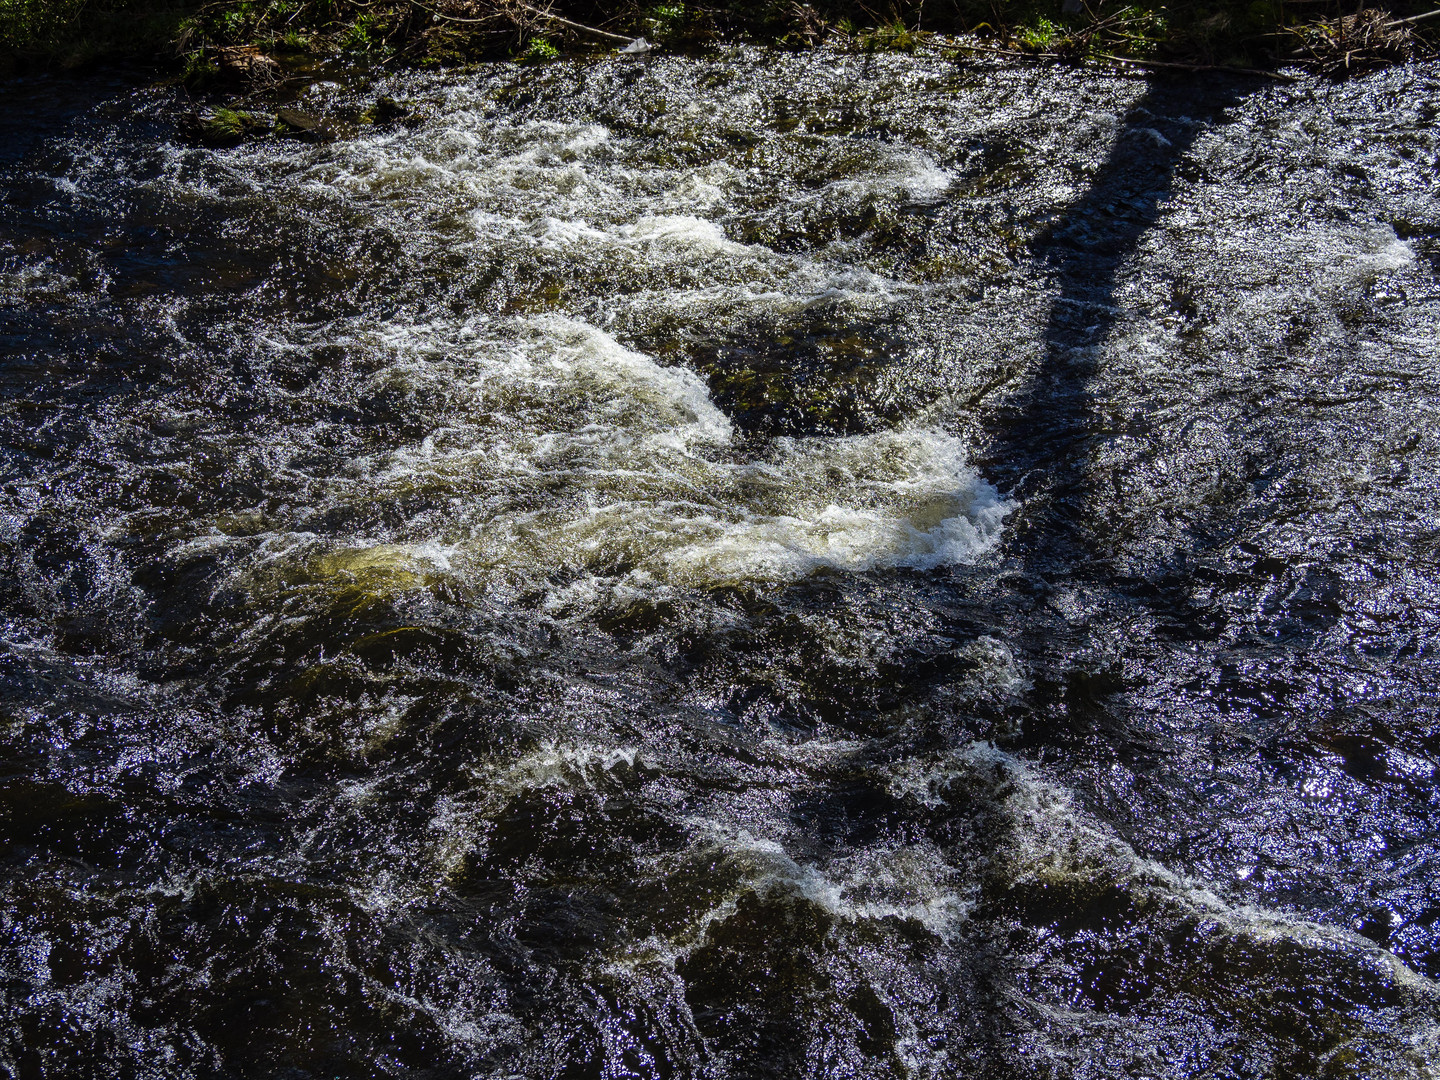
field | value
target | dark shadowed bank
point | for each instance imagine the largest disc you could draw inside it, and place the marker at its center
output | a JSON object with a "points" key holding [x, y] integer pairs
{"points": [[260, 40]]}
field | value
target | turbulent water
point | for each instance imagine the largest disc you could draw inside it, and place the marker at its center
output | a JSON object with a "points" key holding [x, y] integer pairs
{"points": [[768, 566]]}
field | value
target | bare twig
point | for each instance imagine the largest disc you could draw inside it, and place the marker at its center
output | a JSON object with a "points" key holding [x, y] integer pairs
{"points": [[1412, 19], [487, 20], [950, 46], [604, 35]]}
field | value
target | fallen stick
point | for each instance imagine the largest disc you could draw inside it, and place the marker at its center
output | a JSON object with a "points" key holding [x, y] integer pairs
{"points": [[951, 45], [603, 34], [1411, 19]]}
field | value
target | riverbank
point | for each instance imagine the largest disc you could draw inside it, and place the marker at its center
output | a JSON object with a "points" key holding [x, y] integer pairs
{"points": [[254, 41]]}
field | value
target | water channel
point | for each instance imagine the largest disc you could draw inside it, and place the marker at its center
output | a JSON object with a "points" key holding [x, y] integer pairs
{"points": [[776, 565]]}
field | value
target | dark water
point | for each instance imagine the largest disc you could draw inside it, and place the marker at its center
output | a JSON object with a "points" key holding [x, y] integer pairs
{"points": [[780, 566]]}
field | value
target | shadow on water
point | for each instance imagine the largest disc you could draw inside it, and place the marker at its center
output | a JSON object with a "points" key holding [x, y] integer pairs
{"points": [[1050, 433], [1047, 431]]}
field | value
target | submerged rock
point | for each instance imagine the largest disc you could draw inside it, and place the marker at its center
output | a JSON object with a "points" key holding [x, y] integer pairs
{"points": [[230, 127], [386, 110], [304, 126]]}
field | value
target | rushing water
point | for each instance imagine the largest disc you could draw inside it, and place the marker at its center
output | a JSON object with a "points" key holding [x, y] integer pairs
{"points": [[778, 565]]}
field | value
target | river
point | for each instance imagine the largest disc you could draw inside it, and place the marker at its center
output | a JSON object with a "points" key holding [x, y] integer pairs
{"points": [[777, 565]]}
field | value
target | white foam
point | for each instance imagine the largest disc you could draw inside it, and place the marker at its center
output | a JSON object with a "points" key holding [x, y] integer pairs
{"points": [[458, 826], [911, 883], [682, 230], [1050, 838], [38, 279], [682, 233], [905, 883], [566, 455], [1373, 251], [558, 458], [554, 232], [908, 173], [902, 499]]}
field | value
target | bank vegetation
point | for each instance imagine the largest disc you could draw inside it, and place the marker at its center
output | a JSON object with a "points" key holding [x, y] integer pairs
{"points": [[215, 42]]}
